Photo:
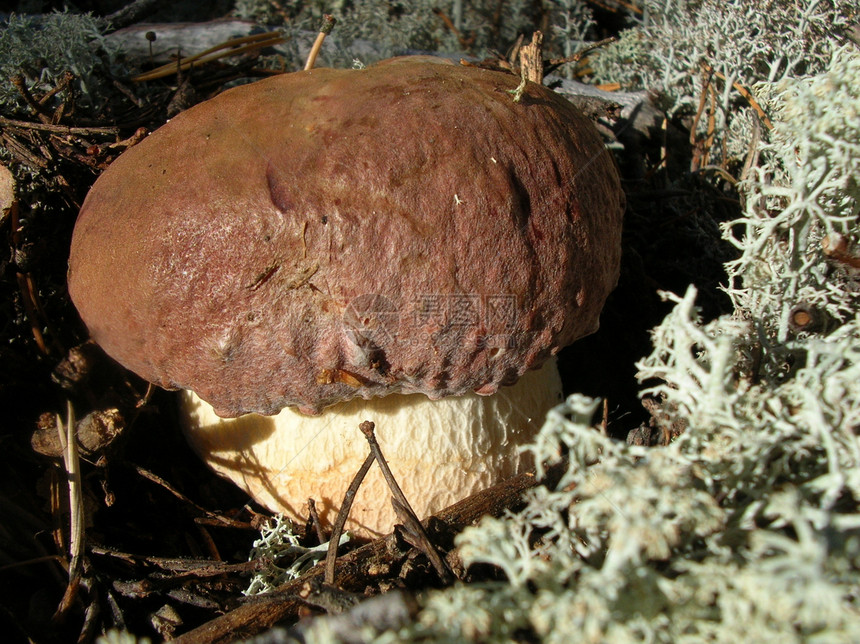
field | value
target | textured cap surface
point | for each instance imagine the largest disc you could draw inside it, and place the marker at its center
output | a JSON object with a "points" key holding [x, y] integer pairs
{"points": [[332, 234]]}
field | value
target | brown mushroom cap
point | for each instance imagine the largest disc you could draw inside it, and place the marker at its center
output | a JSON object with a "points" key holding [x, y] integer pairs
{"points": [[329, 234]]}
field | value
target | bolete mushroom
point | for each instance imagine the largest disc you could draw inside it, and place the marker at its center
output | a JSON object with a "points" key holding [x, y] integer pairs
{"points": [[330, 236]]}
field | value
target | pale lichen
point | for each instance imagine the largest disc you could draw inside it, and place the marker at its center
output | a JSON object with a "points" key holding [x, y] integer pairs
{"points": [[281, 556], [40, 49], [680, 50], [747, 526]]}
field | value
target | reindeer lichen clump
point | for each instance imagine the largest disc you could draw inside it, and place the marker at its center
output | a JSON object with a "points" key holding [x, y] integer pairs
{"points": [[745, 526]]}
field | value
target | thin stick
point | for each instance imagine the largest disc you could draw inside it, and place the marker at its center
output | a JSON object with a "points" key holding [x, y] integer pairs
{"points": [[223, 50], [76, 510], [743, 91], [32, 306], [27, 288], [315, 521], [450, 24], [514, 56], [214, 517], [412, 522], [337, 529], [325, 30], [553, 63], [41, 111], [712, 125], [416, 536], [751, 159], [604, 423], [703, 98], [59, 129]]}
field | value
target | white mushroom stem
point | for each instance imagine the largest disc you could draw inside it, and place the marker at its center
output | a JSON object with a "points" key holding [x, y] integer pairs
{"points": [[439, 451]]}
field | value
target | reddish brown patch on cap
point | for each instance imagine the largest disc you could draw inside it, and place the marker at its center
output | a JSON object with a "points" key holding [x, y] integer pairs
{"points": [[330, 234]]}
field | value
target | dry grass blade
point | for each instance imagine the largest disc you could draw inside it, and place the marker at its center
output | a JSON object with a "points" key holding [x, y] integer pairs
{"points": [[76, 510]]}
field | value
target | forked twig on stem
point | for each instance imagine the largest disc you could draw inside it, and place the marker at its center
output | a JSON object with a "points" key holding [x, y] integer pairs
{"points": [[404, 511]]}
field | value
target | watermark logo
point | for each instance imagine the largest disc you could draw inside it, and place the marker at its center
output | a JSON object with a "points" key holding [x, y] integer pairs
{"points": [[379, 319], [373, 317]]}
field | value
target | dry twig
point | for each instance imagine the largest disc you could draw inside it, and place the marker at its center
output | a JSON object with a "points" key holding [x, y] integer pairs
{"points": [[355, 569], [232, 47], [743, 91], [315, 522], [404, 510], [340, 521], [554, 63], [218, 519]]}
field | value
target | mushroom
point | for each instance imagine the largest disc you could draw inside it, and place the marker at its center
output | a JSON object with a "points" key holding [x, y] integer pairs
{"points": [[439, 451], [329, 236]]}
